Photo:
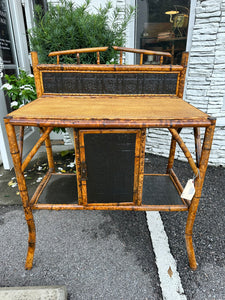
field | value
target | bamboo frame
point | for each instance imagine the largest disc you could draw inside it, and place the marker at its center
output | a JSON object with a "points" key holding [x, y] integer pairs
{"points": [[23, 193], [101, 126], [207, 144], [21, 136], [34, 150], [184, 62], [191, 207], [41, 186], [113, 206], [78, 51], [141, 52], [138, 161], [198, 150], [185, 150], [141, 166]]}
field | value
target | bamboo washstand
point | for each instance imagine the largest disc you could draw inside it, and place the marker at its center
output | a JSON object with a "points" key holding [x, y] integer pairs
{"points": [[109, 108]]}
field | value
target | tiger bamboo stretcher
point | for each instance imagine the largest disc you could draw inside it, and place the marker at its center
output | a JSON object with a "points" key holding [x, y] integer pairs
{"points": [[109, 108]]}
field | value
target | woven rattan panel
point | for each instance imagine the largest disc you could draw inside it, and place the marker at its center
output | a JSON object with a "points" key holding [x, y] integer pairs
{"points": [[109, 83], [110, 167]]}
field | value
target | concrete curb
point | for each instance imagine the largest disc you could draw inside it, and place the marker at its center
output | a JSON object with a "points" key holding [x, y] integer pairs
{"points": [[34, 293]]}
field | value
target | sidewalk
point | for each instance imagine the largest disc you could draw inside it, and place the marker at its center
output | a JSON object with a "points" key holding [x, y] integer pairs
{"points": [[108, 254]]}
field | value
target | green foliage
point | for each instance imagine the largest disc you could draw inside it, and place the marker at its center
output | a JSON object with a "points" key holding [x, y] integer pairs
{"points": [[21, 89], [68, 26]]}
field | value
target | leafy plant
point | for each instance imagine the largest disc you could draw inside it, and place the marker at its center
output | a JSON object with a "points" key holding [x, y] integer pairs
{"points": [[21, 89], [68, 26]]}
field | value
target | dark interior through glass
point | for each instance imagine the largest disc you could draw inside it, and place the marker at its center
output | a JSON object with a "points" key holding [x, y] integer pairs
{"points": [[162, 26]]}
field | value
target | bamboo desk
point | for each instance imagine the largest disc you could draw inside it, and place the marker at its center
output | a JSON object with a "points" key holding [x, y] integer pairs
{"points": [[109, 108], [122, 120]]}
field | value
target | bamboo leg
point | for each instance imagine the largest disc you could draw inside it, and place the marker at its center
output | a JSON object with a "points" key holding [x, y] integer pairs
{"points": [[31, 237], [23, 193], [78, 166], [185, 150], [141, 166], [21, 141], [197, 145], [198, 189], [172, 152], [48, 147], [36, 147]]}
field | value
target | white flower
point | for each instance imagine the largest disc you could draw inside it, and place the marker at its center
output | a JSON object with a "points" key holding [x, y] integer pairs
{"points": [[39, 179], [30, 75], [6, 86], [14, 103], [27, 87], [21, 105], [71, 165]]}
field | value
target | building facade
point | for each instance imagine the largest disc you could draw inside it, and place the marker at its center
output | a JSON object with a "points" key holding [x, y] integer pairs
{"points": [[204, 40]]}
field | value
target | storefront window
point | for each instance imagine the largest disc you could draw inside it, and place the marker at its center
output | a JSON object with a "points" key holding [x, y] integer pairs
{"points": [[162, 26], [5, 39], [7, 49]]}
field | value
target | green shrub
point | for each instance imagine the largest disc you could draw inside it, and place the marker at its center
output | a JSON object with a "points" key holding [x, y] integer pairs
{"points": [[68, 26]]}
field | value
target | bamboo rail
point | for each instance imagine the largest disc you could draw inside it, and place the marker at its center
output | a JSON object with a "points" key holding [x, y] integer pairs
{"points": [[111, 68], [78, 51], [35, 148], [41, 186], [141, 52], [111, 207], [176, 181], [130, 123], [185, 150]]}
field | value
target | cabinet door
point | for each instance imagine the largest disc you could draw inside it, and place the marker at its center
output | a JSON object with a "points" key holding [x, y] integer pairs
{"points": [[110, 163]]}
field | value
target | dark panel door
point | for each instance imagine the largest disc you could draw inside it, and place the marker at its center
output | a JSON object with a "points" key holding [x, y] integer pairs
{"points": [[110, 162]]}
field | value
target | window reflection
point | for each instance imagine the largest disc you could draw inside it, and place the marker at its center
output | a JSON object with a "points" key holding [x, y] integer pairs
{"points": [[162, 26]]}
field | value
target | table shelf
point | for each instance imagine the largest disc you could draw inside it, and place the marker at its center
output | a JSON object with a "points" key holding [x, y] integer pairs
{"points": [[159, 190], [159, 193]]}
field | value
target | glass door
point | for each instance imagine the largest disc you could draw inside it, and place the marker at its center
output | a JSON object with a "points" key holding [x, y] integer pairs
{"points": [[162, 26], [13, 55]]}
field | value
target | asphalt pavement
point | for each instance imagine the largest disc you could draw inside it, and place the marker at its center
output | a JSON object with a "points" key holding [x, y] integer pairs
{"points": [[108, 254]]}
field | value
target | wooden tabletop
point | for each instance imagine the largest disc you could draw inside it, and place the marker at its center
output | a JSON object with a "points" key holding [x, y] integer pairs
{"points": [[109, 111]]}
